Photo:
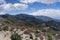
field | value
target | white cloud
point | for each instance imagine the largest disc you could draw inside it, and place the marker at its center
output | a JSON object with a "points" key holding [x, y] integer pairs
{"points": [[27, 1], [41, 1], [47, 12], [2, 2], [20, 6], [7, 6], [2, 13], [17, 6], [48, 1], [11, 7]]}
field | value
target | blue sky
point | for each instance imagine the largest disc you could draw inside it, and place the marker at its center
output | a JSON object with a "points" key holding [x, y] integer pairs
{"points": [[33, 7]]}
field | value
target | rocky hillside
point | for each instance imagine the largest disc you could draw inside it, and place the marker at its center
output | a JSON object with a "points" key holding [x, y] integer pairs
{"points": [[27, 27]]}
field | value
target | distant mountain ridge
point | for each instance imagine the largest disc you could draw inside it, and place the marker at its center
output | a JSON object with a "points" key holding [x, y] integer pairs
{"points": [[30, 20], [22, 16], [44, 18]]}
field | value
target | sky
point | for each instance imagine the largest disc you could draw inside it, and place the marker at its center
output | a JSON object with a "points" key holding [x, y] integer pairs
{"points": [[49, 8]]}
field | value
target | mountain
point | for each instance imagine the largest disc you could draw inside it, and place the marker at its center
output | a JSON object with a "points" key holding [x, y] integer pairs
{"points": [[58, 20], [22, 19], [26, 17], [44, 18], [51, 22], [40, 26], [30, 20]]}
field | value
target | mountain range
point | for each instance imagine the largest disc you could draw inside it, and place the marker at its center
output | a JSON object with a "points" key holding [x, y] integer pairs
{"points": [[30, 20], [41, 26]]}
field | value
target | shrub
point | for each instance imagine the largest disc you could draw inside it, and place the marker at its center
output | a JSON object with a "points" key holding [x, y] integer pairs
{"points": [[15, 36], [5, 28]]}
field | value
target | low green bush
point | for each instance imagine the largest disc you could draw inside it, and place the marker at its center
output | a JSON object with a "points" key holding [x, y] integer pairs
{"points": [[15, 36]]}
